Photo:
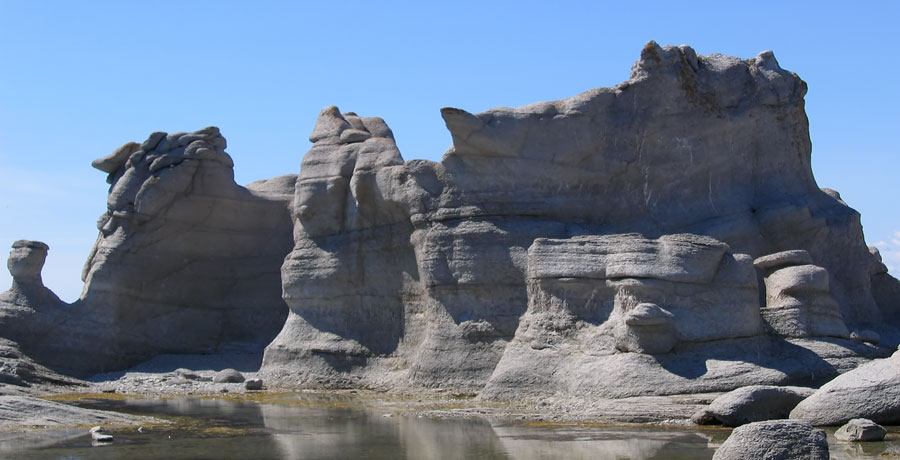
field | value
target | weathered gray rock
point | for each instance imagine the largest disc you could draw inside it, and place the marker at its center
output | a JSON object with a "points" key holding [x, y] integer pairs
{"points": [[186, 261], [228, 376], [22, 411], [26, 261], [755, 403], [496, 269], [253, 384], [860, 430], [774, 440], [798, 299], [596, 246], [872, 391]]}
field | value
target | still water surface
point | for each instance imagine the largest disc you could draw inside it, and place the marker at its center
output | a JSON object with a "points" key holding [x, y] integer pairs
{"points": [[307, 429]]}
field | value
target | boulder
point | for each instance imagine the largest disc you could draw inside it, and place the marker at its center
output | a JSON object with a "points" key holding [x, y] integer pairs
{"points": [[228, 376], [774, 440], [253, 384], [755, 403], [860, 430], [871, 391]]}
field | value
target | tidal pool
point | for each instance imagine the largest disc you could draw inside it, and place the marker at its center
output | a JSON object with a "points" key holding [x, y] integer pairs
{"points": [[322, 428]]}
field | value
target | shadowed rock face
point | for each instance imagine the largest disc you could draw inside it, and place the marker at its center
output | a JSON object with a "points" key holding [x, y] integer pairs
{"points": [[184, 253], [186, 261], [446, 274]]}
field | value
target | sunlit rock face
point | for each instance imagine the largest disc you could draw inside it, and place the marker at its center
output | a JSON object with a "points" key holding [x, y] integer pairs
{"points": [[466, 272], [662, 236]]}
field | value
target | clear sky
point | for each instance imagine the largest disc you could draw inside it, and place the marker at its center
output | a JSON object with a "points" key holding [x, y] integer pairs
{"points": [[78, 79]]}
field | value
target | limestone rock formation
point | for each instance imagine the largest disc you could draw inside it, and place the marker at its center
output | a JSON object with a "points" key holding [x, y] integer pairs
{"points": [[774, 440], [597, 246], [184, 252], [29, 316], [186, 261]]}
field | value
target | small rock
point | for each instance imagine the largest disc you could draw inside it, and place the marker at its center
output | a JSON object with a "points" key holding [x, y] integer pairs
{"points": [[228, 376], [704, 417], [97, 435], [253, 384], [774, 440], [350, 136], [861, 430]]}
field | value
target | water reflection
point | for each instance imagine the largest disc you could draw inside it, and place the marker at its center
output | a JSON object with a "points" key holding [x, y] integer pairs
{"points": [[314, 427], [343, 433], [527, 443]]}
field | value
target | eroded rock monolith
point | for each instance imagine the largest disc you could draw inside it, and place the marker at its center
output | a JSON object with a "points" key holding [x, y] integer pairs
{"points": [[482, 271], [662, 236]]}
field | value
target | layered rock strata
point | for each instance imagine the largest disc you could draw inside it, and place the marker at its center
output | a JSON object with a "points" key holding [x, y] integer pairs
{"points": [[798, 301], [496, 268], [596, 246]]}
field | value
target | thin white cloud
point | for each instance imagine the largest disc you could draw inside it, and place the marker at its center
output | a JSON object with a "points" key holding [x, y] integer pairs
{"points": [[890, 252]]}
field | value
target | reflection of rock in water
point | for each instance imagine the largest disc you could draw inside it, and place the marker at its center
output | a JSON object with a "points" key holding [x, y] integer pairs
{"points": [[325, 432], [842, 450], [526, 443]]}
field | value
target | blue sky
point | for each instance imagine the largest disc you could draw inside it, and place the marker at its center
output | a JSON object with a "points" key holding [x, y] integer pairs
{"points": [[78, 79]]}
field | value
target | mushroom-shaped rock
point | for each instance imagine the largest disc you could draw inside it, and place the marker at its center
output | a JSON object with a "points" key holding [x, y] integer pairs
{"points": [[798, 297], [26, 261], [774, 440]]}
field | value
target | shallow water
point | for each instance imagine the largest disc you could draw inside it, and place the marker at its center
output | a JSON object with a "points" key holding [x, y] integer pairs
{"points": [[324, 428]]}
